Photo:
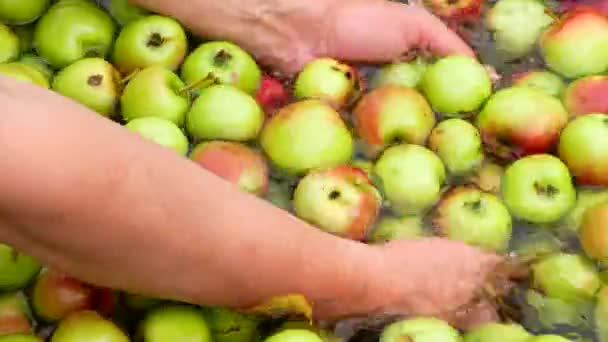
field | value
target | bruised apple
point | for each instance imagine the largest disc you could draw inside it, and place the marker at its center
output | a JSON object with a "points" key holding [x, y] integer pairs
{"points": [[587, 95]]}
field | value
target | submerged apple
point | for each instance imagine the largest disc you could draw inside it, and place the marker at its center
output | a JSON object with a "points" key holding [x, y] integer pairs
{"points": [[411, 178], [175, 323], [585, 198], [395, 228], [160, 131], [341, 201], [391, 115], [24, 73], [87, 326], [490, 332], [520, 121], [10, 48], [542, 80], [231, 326], [587, 95], [307, 135], [569, 277], [420, 330], [553, 312], [593, 233], [577, 44], [328, 80], [488, 176], [583, 146], [406, 74], [16, 268], [14, 314], [458, 143], [20, 12], [234, 162]]}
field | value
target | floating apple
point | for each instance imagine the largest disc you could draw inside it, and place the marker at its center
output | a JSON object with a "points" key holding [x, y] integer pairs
{"points": [[160, 131], [271, 95], [519, 121], [341, 201], [577, 44], [16, 268], [569, 277], [237, 163], [175, 323], [458, 143], [542, 80], [223, 62], [411, 177], [420, 330], [294, 335], [37, 63], [21, 338], [230, 326], [406, 74], [152, 40], [587, 95], [307, 135], [20, 12], [395, 228], [87, 326], [456, 85], [224, 112], [14, 314], [488, 176], [10, 48], [24, 73], [70, 31], [392, 115], [328, 80], [490, 332], [593, 233], [155, 91], [582, 147], [124, 11], [553, 312]]}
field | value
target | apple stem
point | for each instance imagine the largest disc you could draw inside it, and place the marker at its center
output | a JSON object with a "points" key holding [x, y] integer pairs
{"points": [[127, 78], [202, 83]]}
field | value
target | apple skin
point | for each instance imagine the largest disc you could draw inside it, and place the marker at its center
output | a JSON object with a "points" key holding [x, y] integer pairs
{"points": [[548, 338], [587, 95], [582, 147], [39, 64], [87, 326], [585, 199], [152, 40], [92, 82], [124, 12], [231, 326], [158, 92], [224, 112], [21, 12], [341, 201], [225, 62], [542, 80], [160, 131], [294, 335], [306, 135], [439, 80], [24, 73], [489, 332], [420, 330], [577, 44], [593, 233], [488, 176], [520, 121], [325, 334], [20, 338], [600, 314], [328, 80], [14, 314], [406, 74], [459, 10], [569, 277], [26, 37], [458, 143], [234, 162], [392, 114], [10, 48], [175, 322], [271, 95], [16, 269], [395, 228], [70, 31], [411, 178]]}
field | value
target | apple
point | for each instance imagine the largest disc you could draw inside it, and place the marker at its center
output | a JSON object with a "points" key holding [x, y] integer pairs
{"points": [[234, 162], [20, 12], [535, 243], [158, 92], [91, 81], [224, 112], [577, 44], [294, 335], [138, 302], [306, 135], [458, 143], [14, 314], [279, 194], [391, 115], [223, 62], [421, 329], [600, 314], [456, 85], [411, 177], [488, 176], [516, 25], [538, 189], [328, 80], [124, 12], [23, 72], [542, 80], [585, 199], [16, 269], [70, 31], [10, 48], [569, 277], [39, 64], [341, 201], [587, 95], [490, 332], [406, 74], [593, 233], [160, 131], [175, 322], [152, 40], [231, 326], [520, 121], [271, 95], [548, 338], [552, 312], [582, 147], [390, 228], [20, 338], [364, 165], [87, 326], [455, 10], [325, 334]]}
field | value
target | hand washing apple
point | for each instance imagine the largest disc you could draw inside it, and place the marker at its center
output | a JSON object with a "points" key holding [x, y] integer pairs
{"points": [[160, 131], [10, 48], [587, 95], [124, 12], [21, 12], [542, 80], [175, 322], [16, 268], [327, 80], [394, 228], [569, 277], [406, 74], [458, 143], [87, 326], [420, 330], [490, 332], [14, 314], [24, 73]]}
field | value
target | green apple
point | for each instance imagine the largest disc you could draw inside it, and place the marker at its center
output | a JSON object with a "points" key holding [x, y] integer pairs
{"points": [[585, 198], [551, 312], [24, 73], [231, 326], [224, 112], [37, 63], [20, 12], [420, 330], [406, 74], [493, 332], [20, 338], [474, 217], [15, 314], [538, 189], [600, 315], [294, 335], [222, 62], [488, 176], [456, 85], [411, 178], [328, 80], [91, 81], [124, 12], [70, 31], [307, 135], [152, 40], [543, 80], [534, 244], [390, 228], [10, 47], [175, 322], [569, 277], [16, 269], [458, 143], [160, 131], [155, 91], [26, 37], [138, 302], [87, 326], [325, 334]]}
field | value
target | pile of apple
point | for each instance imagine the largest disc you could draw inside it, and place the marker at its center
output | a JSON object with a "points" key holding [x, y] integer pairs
{"points": [[429, 146]]}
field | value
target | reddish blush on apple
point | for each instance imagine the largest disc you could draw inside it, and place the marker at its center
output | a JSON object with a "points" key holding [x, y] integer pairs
{"points": [[271, 95], [587, 95], [14, 314]]}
